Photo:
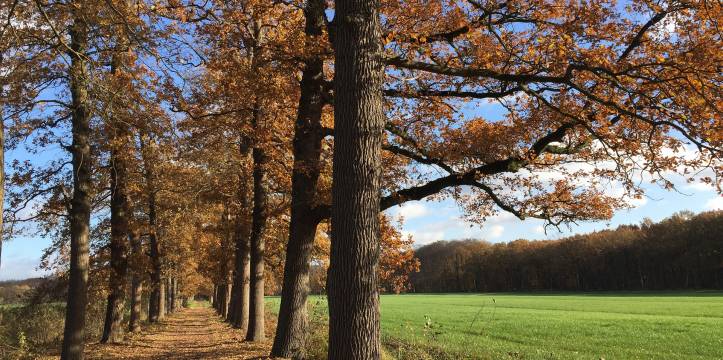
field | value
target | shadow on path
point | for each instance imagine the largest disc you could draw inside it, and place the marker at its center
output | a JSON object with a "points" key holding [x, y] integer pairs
{"points": [[189, 334]]}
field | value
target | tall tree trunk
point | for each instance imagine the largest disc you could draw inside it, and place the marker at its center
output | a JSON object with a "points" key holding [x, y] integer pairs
{"points": [[358, 134], [175, 294], [162, 299], [169, 293], [156, 308], [258, 228], [119, 231], [81, 202], [223, 300], [134, 322], [292, 326], [112, 330], [228, 291], [242, 262]]}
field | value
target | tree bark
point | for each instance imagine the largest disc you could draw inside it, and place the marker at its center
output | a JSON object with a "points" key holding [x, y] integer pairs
{"points": [[292, 326], [223, 300], [175, 294], [112, 329], [134, 322], [73, 334], [214, 297], [228, 291], [119, 231], [169, 294], [156, 308], [358, 135], [239, 318], [260, 213]]}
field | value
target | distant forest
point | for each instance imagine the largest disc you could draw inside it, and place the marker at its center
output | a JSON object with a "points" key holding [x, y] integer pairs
{"points": [[684, 251]]}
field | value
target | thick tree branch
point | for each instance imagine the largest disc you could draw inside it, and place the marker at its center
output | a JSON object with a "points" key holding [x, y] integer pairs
{"points": [[451, 93], [472, 72]]}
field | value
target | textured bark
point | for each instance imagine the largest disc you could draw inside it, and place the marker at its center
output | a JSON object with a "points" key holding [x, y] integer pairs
{"points": [[135, 262], [258, 228], [156, 308], [73, 334], [239, 312], [162, 297], [214, 297], [292, 326], [134, 322], [176, 299], [223, 299], [119, 212], [227, 296], [169, 294], [358, 134]]}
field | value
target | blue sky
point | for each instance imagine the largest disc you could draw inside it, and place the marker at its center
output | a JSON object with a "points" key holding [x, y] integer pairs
{"points": [[431, 221], [428, 221]]}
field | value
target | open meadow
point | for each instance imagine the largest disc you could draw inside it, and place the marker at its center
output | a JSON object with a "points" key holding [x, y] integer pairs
{"points": [[672, 325]]}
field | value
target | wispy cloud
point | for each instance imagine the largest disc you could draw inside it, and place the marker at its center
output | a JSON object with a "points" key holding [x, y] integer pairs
{"points": [[20, 268], [715, 203], [495, 231], [412, 210]]}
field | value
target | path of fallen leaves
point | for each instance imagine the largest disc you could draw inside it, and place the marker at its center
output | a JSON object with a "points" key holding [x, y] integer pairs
{"points": [[189, 334]]}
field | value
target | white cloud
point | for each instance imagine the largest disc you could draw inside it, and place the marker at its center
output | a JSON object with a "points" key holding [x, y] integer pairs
{"points": [[20, 268], [700, 186], [412, 210], [715, 203], [424, 237], [539, 229], [495, 231]]}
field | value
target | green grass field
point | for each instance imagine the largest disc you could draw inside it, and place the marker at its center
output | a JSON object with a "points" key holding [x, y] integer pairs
{"points": [[552, 326]]}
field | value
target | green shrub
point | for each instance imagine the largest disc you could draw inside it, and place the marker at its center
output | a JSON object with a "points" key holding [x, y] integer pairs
{"points": [[37, 328]]}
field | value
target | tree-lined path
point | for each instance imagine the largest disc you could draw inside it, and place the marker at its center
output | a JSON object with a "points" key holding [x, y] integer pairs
{"points": [[197, 333], [168, 149]]}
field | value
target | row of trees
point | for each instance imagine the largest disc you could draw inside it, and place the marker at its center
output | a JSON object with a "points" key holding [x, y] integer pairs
{"points": [[229, 146], [681, 252]]}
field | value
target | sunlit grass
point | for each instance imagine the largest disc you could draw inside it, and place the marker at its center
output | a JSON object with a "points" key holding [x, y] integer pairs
{"points": [[678, 325]]}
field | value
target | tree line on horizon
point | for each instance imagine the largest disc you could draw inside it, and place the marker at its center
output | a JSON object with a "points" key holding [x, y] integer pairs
{"points": [[179, 147], [684, 251]]}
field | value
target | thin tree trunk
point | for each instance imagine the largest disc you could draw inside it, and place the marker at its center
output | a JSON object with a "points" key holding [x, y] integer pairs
{"points": [[218, 299], [112, 329], [136, 297], [73, 334], [156, 309], [227, 296], [292, 326], [358, 134], [171, 291], [223, 300], [242, 262], [175, 295], [134, 322], [260, 213], [162, 299], [119, 231]]}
